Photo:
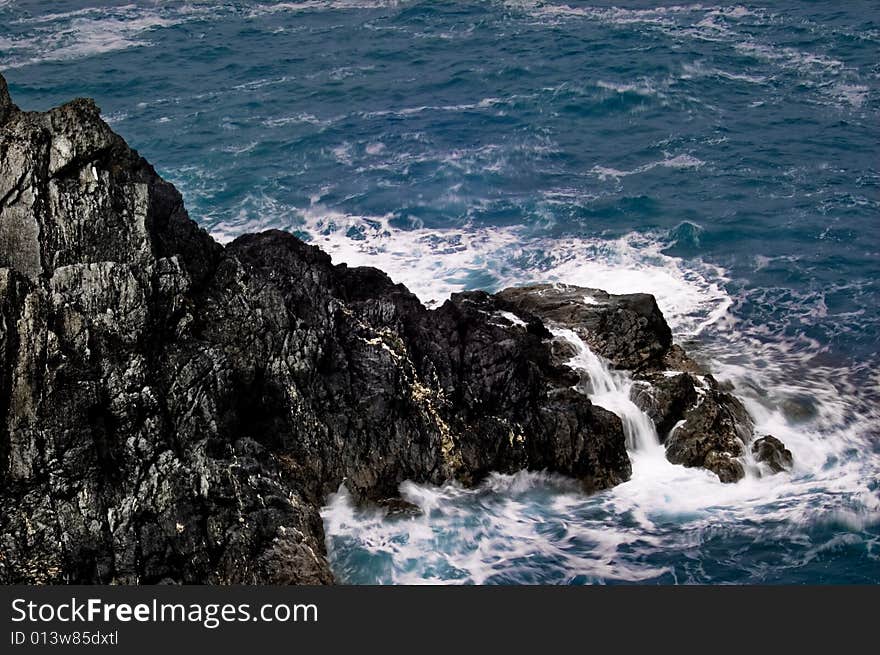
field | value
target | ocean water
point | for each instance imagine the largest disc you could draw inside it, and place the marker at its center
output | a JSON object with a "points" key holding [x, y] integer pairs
{"points": [[721, 156]]}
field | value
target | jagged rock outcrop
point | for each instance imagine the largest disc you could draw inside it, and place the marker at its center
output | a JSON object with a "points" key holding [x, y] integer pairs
{"points": [[712, 433], [627, 330], [704, 425], [700, 423], [172, 410], [666, 398]]}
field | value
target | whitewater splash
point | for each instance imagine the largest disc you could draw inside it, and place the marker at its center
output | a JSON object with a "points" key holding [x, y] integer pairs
{"points": [[434, 263], [667, 524], [97, 30], [611, 390]]}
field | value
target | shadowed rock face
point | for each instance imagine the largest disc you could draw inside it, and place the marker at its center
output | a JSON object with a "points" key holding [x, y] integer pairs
{"points": [[701, 424], [173, 410]]}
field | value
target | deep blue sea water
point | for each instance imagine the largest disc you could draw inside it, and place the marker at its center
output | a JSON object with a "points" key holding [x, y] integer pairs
{"points": [[723, 157]]}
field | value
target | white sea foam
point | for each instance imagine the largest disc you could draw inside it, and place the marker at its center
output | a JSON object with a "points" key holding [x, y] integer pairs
{"points": [[298, 118], [854, 94], [262, 82], [484, 103], [92, 31], [699, 69], [499, 532], [683, 160], [241, 148], [536, 528], [436, 262], [342, 153], [663, 507], [833, 81], [85, 33], [663, 17], [611, 390], [322, 5], [116, 117], [646, 88]]}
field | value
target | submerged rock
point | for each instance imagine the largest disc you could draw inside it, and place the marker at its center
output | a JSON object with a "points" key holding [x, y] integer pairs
{"points": [[399, 508], [799, 409]]}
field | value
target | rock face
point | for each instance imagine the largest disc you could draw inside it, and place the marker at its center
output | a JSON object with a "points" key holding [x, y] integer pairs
{"points": [[175, 411], [666, 398]]}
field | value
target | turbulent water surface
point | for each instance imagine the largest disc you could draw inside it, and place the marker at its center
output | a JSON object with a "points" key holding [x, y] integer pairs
{"points": [[722, 157]]}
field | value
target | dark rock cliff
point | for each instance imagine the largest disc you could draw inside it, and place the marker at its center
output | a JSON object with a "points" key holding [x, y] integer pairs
{"points": [[175, 411]]}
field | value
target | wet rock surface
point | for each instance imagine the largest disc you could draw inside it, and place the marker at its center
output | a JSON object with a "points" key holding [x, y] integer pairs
{"points": [[627, 330], [701, 425], [665, 398], [773, 453], [172, 410]]}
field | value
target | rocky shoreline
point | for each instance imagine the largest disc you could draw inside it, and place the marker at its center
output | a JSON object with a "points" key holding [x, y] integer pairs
{"points": [[175, 411]]}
